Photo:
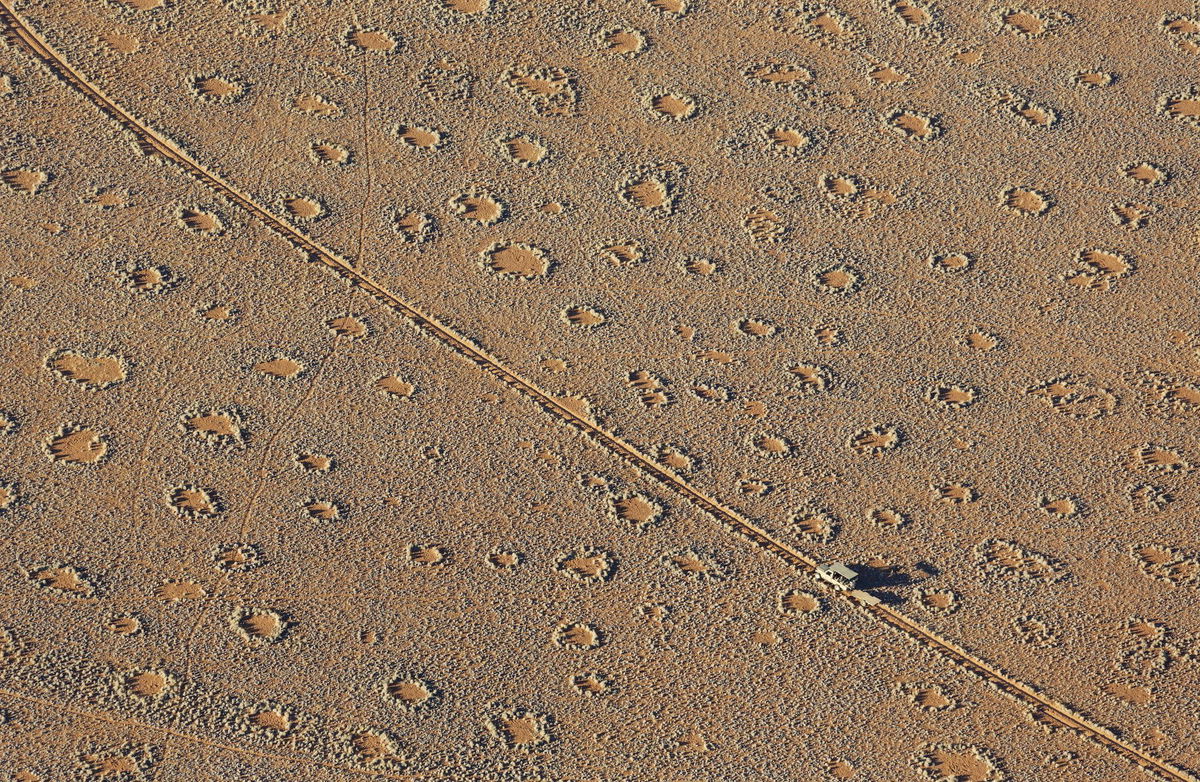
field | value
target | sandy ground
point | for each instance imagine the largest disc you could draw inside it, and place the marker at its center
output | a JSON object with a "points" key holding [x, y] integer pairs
{"points": [[464, 389]]}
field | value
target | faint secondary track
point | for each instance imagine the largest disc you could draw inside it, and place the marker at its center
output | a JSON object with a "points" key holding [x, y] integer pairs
{"points": [[154, 143], [127, 723]]}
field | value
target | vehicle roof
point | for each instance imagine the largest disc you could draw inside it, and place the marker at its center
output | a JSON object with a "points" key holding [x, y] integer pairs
{"points": [[839, 569]]}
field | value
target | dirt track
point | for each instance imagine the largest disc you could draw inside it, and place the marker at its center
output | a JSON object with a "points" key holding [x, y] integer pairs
{"points": [[152, 142]]}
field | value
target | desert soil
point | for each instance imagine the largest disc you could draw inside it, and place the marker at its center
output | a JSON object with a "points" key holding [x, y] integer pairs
{"points": [[466, 389]]}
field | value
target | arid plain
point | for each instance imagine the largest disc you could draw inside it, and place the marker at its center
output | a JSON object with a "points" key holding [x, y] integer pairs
{"points": [[467, 389]]}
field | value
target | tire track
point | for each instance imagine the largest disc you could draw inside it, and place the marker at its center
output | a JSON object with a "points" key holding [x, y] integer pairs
{"points": [[1044, 709], [152, 142]]}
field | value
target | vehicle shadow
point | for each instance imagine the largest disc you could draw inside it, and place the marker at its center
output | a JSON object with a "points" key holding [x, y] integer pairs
{"points": [[870, 578], [888, 583]]}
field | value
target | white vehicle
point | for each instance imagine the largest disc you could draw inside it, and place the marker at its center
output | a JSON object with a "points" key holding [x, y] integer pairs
{"points": [[837, 575]]}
